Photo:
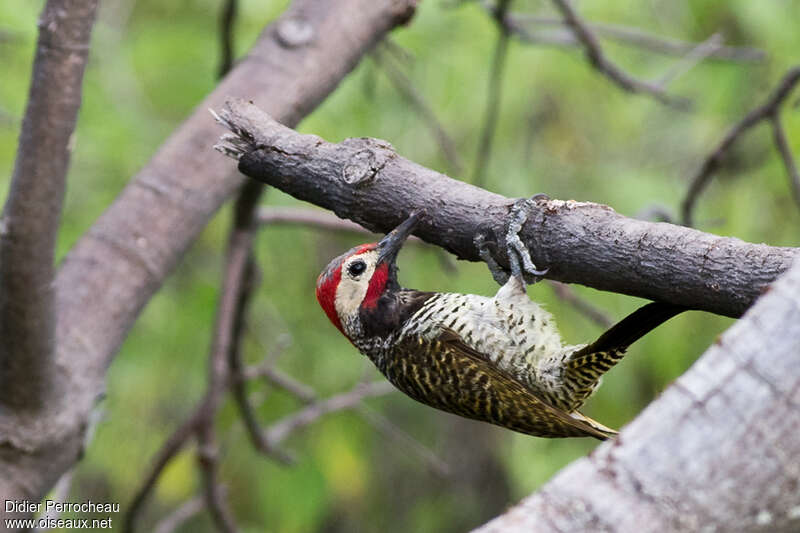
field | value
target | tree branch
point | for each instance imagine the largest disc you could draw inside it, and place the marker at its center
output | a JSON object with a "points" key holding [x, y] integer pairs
{"points": [[227, 20], [115, 268], [584, 307], [298, 216], [236, 291], [717, 451], [279, 431], [596, 56], [366, 181], [712, 162], [628, 36], [406, 88], [493, 93], [180, 515], [32, 213], [779, 135], [165, 454]]}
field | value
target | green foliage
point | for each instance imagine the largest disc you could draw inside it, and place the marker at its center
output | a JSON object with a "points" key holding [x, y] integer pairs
{"points": [[563, 129]]}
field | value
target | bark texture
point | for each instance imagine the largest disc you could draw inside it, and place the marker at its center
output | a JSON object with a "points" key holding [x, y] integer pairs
{"points": [[716, 452], [118, 265], [32, 213], [366, 181]]}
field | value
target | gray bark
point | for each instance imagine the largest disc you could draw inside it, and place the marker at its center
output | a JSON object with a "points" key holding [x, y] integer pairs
{"points": [[718, 451], [366, 181], [118, 265], [32, 213]]}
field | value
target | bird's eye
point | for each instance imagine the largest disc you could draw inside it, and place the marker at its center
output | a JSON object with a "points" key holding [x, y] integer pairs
{"points": [[357, 268]]}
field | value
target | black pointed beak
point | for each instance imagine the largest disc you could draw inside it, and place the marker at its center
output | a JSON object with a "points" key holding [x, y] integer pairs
{"points": [[391, 244]]}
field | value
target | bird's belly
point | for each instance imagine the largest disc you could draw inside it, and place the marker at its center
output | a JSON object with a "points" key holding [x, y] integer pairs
{"points": [[516, 335]]}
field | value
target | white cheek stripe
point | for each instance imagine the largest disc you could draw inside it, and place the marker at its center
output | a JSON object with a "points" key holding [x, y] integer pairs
{"points": [[350, 293]]}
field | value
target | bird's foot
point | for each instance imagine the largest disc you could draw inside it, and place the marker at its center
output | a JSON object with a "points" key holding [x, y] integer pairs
{"points": [[482, 244], [519, 257]]}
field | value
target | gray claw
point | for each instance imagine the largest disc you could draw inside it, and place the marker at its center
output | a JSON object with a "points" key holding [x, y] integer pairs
{"points": [[519, 256], [516, 249]]}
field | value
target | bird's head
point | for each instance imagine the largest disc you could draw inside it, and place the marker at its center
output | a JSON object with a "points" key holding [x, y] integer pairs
{"points": [[354, 282]]}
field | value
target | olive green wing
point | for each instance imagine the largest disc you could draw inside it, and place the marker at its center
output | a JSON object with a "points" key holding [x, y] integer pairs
{"points": [[447, 374]]}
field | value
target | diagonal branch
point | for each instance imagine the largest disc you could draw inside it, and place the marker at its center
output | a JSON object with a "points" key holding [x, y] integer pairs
{"points": [[785, 151], [493, 93], [406, 87], [584, 307], [306, 217], [366, 181], [165, 454], [596, 56], [768, 110], [694, 56], [280, 431], [633, 37], [180, 515], [32, 213], [227, 20]]}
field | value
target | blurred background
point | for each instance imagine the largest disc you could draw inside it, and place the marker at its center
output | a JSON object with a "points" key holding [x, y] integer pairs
{"points": [[562, 129]]}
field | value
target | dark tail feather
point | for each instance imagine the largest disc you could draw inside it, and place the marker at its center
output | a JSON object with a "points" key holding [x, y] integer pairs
{"points": [[632, 328]]}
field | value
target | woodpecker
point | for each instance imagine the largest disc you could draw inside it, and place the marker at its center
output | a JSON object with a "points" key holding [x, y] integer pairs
{"points": [[499, 360]]}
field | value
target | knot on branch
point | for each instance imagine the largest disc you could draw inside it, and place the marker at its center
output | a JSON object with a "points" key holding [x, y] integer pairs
{"points": [[364, 164], [294, 32]]}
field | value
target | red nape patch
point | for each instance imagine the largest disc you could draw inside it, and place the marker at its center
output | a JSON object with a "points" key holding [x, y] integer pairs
{"points": [[326, 294], [376, 285]]}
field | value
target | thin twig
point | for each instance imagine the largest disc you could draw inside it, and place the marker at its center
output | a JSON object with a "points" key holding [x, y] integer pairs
{"points": [[712, 162], [628, 36], [786, 154], [314, 218], [227, 20], [564, 292], [225, 342], [208, 461], [176, 518], [493, 94], [596, 56], [435, 464], [168, 450], [402, 55], [301, 216], [406, 87], [283, 381], [279, 431], [236, 289], [306, 395], [697, 55]]}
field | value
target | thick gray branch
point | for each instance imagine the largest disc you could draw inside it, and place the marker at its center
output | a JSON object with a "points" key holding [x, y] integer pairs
{"points": [[33, 209], [118, 265], [366, 181], [716, 452]]}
